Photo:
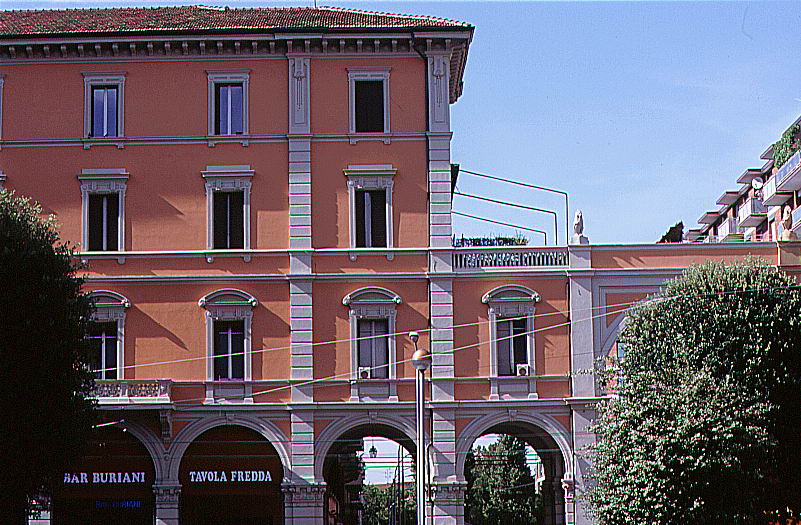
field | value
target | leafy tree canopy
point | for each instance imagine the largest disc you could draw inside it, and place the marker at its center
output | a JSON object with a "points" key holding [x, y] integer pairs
{"points": [[500, 488], [44, 377], [707, 424]]}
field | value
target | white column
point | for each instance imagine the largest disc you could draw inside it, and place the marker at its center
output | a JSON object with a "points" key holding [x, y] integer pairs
{"points": [[303, 503]]}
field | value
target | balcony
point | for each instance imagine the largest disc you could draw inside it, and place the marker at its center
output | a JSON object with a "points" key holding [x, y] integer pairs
{"points": [[751, 213], [728, 231], [479, 259], [770, 196], [788, 177], [134, 391]]}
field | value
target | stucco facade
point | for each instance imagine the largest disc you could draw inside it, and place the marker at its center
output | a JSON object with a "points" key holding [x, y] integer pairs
{"points": [[298, 290]]}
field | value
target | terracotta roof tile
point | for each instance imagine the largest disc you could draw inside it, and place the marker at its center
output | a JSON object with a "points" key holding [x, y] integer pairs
{"points": [[189, 19]]}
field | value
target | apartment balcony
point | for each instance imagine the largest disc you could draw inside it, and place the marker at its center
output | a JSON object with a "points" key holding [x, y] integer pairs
{"points": [[494, 258], [751, 213], [132, 391], [771, 197], [729, 231], [788, 177]]}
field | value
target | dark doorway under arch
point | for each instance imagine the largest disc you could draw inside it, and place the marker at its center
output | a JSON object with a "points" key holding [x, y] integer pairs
{"points": [[231, 475]]}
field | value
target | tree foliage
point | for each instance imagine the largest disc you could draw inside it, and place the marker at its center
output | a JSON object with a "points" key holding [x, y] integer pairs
{"points": [[500, 488], [44, 377], [705, 428], [378, 505]]}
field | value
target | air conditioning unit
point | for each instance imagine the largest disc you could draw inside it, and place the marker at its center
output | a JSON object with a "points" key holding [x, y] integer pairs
{"points": [[523, 370], [365, 372]]}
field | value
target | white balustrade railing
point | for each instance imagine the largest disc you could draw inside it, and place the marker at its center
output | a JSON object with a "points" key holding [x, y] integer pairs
{"points": [[133, 390], [508, 257]]}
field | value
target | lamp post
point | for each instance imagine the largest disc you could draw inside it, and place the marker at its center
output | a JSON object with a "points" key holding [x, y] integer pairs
{"points": [[421, 360]]}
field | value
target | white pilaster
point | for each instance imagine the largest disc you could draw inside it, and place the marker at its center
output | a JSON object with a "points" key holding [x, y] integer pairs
{"points": [[301, 337], [167, 497], [583, 438], [441, 301], [581, 329]]}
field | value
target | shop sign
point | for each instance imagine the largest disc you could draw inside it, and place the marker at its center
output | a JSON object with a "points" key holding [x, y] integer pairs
{"points": [[79, 478], [229, 476]]}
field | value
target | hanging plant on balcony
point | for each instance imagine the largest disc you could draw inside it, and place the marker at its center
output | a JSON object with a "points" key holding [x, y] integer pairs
{"points": [[786, 146]]}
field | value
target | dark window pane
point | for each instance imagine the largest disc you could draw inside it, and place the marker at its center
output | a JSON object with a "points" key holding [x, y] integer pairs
{"points": [[520, 342], [103, 337], [98, 112], [95, 219], [236, 203], [365, 343], [229, 339], [373, 346], [360, 220], [369, 105], [112, 220], [378, 216], [503, 347], [221, 109], [228, 220]]}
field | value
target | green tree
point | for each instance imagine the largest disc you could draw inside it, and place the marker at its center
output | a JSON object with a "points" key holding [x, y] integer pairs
{"points": [[44, 373], [500, 488], [705, 428], [378, 503]]}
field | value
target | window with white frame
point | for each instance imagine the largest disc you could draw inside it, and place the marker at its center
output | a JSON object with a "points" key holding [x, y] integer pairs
{"points": [[103, 209], [103, 103], [511, 314], [228, 206], [370, 203], [229, 313], [107, 333], [228, 101], [368, 103], [372, 328]]}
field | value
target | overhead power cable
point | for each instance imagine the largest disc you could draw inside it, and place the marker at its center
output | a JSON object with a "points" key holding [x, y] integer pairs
{"points": [[532, 186], [514, 205], [503, 224]]}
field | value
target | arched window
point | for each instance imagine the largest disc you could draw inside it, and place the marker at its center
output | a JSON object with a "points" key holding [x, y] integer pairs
{"points": [[372, 323], [228, 338], [107, 333]]}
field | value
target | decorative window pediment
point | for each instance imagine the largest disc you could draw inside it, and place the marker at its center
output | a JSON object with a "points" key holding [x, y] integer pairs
{"points": [[108, 305], [229, 313], [510, 300], [372, 302], [228, 303]]}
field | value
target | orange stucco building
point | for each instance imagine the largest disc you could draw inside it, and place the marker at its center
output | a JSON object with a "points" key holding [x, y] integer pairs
{"points": [[262, 199]]}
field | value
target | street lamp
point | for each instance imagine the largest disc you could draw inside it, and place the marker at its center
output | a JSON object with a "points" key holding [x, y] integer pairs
{"points": [[421, 360]]}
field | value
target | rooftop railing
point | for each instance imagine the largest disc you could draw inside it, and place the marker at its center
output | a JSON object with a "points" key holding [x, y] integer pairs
{"points": [[508, 257]]}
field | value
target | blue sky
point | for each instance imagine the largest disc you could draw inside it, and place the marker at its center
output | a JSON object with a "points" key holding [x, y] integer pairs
{"points": [[644, 112]]}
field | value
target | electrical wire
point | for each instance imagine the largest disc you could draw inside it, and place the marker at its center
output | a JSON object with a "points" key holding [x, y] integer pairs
{"points": [[502, 224]]}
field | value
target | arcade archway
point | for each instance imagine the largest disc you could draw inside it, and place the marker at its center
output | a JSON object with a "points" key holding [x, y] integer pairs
{"points": [[231, 475], [112, 483], [345, 471]]}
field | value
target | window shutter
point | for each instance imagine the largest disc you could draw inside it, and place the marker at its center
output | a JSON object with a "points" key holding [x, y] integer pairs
{"points": [[380, 349], [238, 347], [111, 111], [236, 109]]}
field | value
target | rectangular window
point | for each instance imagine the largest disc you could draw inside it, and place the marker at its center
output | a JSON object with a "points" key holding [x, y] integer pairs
{"points": [[369, 106], [512, 344], [229, 349], [371, 218], [104, 111], [229, 220], [229, 109], [103, 337], [104, 93], [104, 220], [373, 346]]}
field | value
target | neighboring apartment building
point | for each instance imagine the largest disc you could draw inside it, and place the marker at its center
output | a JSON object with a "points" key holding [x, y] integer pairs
{"points": [[756, 211], [263, 201]]}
